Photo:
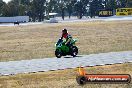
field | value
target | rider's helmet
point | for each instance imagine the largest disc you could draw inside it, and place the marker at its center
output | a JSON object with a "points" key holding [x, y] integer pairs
{"points": [[64, 31]]}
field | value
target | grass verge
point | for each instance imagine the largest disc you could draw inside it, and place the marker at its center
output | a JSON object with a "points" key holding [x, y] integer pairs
{"points": [[37, 41]]}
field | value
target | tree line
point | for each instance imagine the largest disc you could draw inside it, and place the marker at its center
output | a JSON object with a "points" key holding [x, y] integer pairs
{"points": [[40, 9]]}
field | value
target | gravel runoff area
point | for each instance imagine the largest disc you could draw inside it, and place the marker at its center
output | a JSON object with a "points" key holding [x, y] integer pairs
{"points": [[48, 64]]}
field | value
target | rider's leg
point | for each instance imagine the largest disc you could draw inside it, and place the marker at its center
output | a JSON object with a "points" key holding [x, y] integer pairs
{"points": [[69, 45]]}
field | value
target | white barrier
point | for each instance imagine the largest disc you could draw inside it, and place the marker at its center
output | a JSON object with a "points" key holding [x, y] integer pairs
{"points": [[14, 19]]}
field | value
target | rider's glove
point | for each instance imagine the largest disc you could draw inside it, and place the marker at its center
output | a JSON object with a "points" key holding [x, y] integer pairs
{"points": [[65, 43]]}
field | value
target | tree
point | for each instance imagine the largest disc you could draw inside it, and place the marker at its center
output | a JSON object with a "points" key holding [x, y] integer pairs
{"points": [[93, 8], [25, 2], [129, 3], [25, 7], [79, 9], [70, 4], [62, 7], [86, 6], [5, 10], [122, 3], [38, 9], [69, 8], [22, 10], [51, 6], [1, 7], [10, 9]]}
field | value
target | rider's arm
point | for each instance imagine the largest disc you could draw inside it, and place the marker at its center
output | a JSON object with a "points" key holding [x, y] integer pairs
{"points": [[61, 37], [68, 40]]}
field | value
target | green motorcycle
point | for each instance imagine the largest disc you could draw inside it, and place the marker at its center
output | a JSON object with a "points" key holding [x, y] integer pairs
{"points": [[63, 50]]}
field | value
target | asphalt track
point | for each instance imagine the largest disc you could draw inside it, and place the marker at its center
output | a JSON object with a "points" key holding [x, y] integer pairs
{"points": [[48, 64]]}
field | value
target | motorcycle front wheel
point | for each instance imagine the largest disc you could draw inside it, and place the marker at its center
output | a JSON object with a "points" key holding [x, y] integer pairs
{"points": [[74, 51], [58, 53]]}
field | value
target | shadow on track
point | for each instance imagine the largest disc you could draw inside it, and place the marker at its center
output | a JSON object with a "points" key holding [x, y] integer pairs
{"points": [[72, 57]]}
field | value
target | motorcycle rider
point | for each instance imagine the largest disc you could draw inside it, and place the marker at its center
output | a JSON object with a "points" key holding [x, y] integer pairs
{"points": [[67, 36]]}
